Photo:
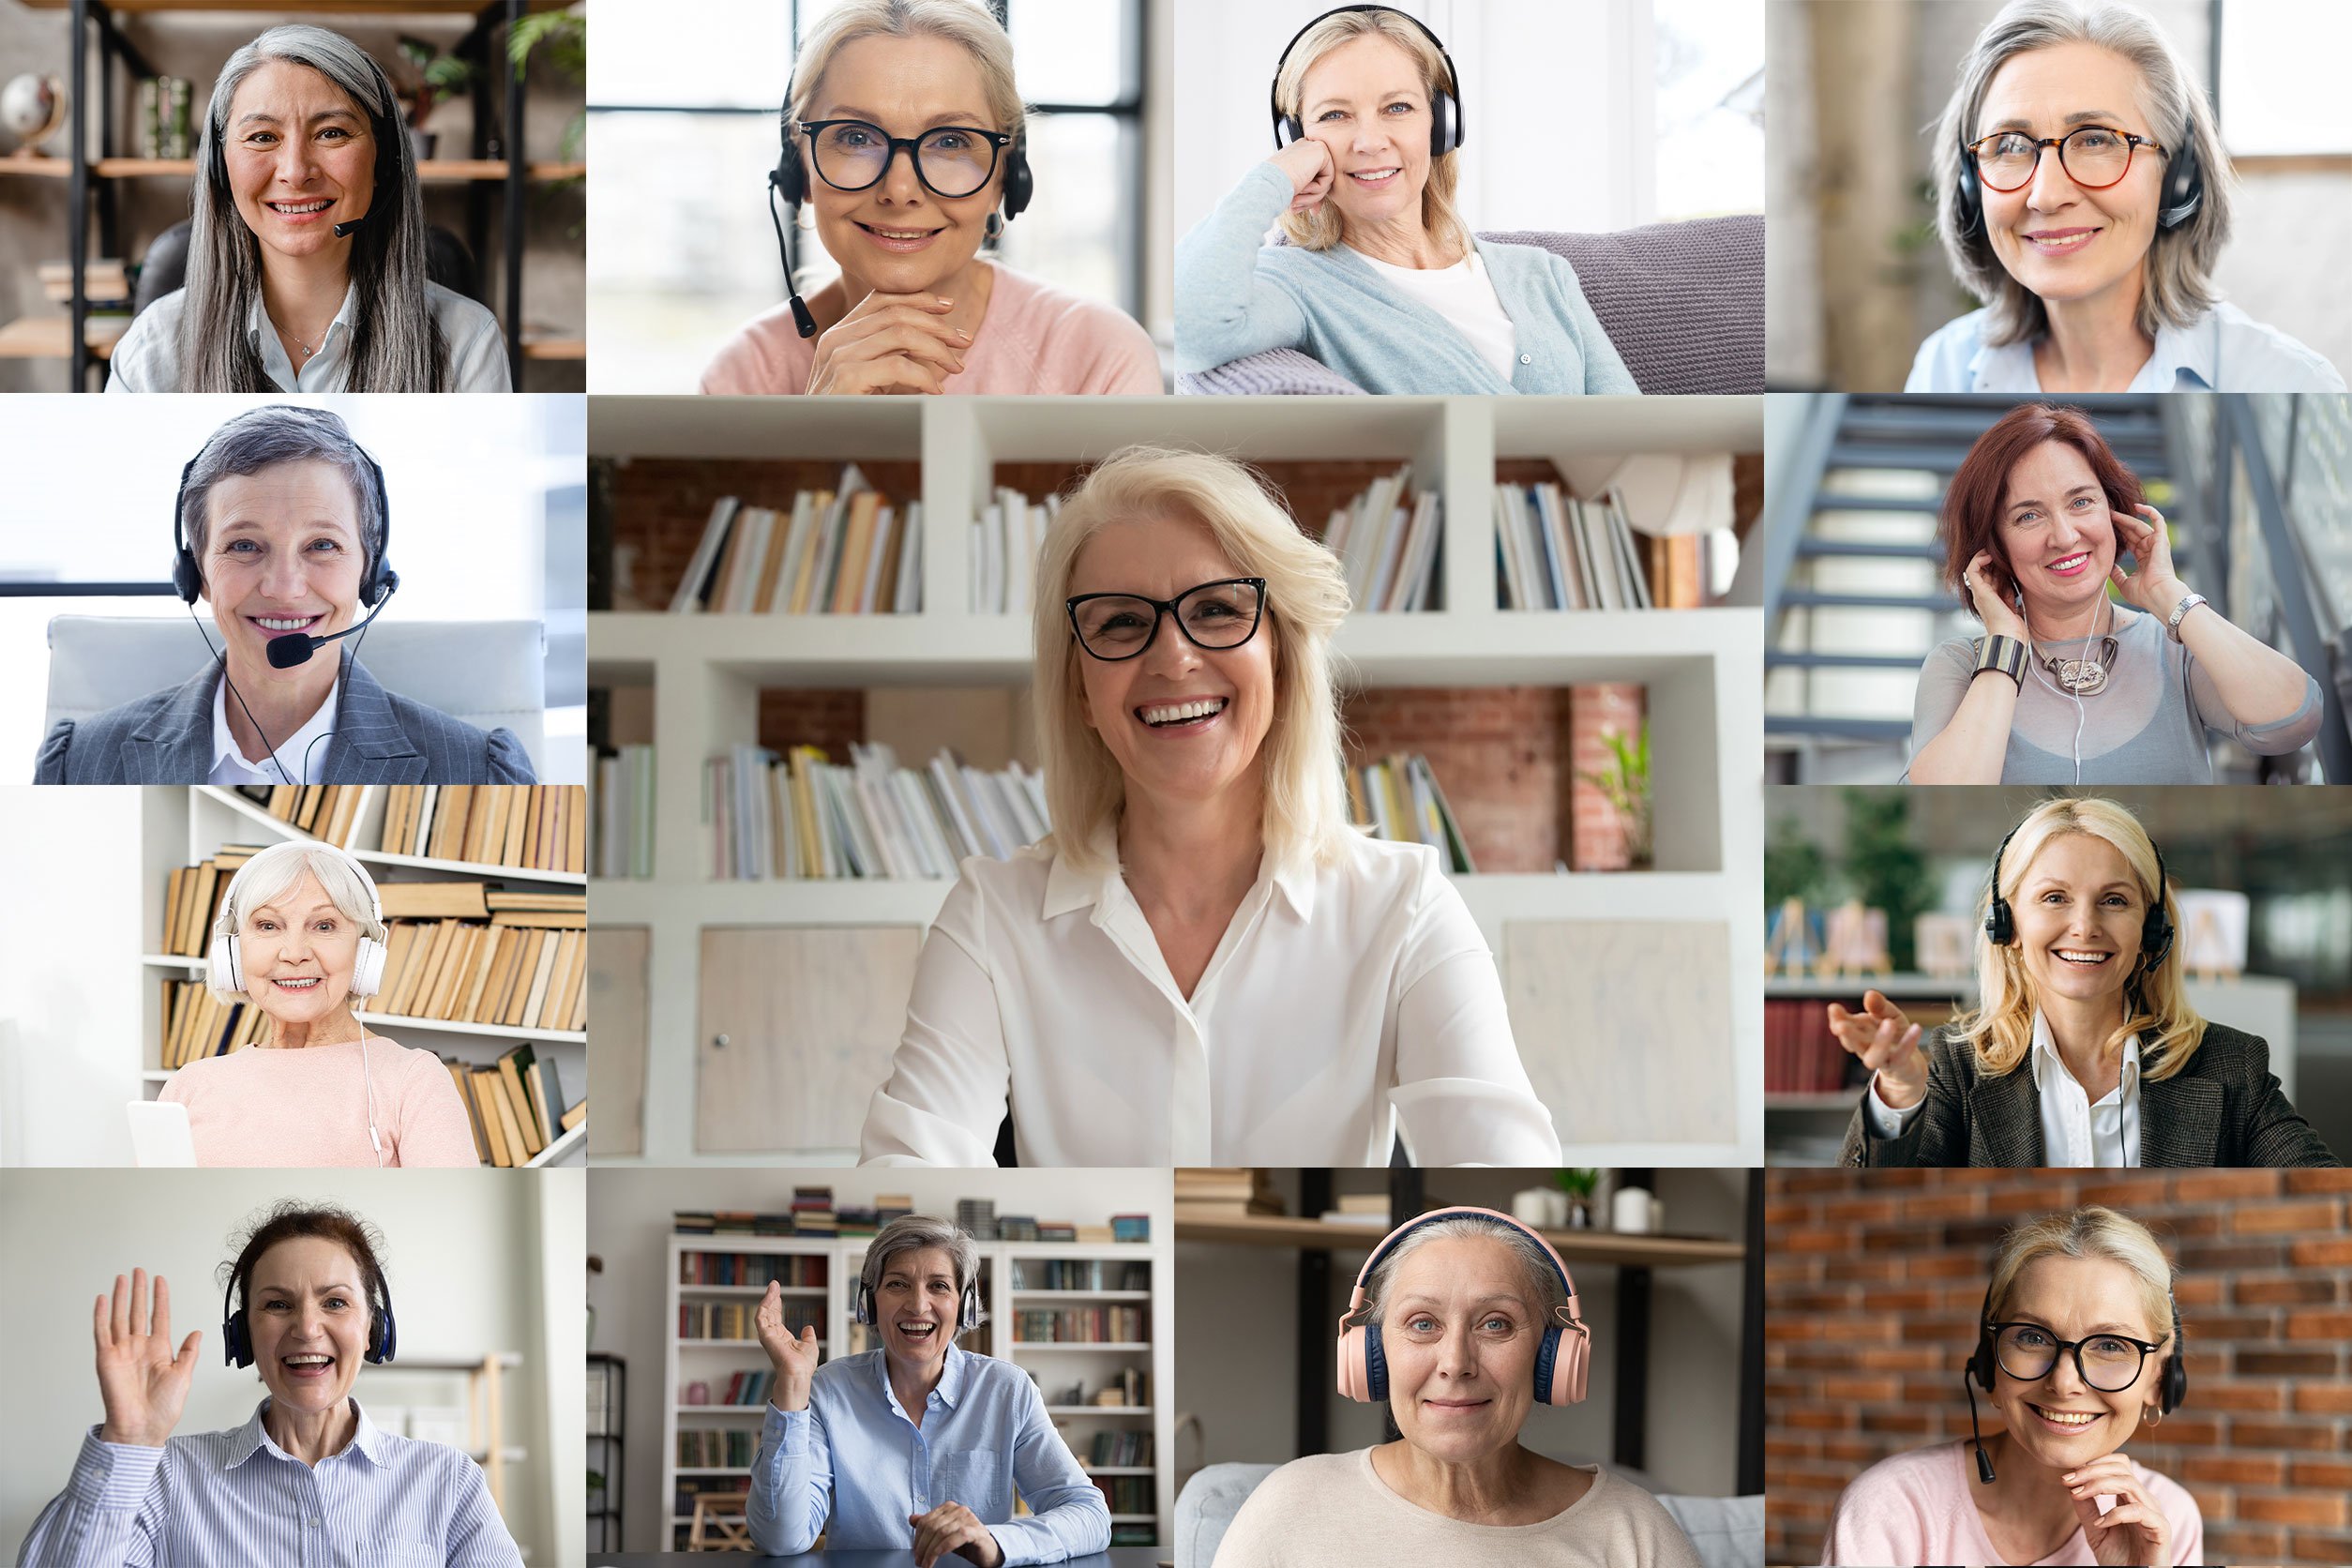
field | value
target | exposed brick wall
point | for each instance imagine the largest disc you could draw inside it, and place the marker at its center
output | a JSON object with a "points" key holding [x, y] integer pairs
{"points": [[661, 504], [789, 717], [1873, 1281], [1500, 753]]}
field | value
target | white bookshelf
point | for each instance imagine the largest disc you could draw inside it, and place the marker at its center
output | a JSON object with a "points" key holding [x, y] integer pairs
{"points": [[686, 1361], [705, 673], [182, 824]]}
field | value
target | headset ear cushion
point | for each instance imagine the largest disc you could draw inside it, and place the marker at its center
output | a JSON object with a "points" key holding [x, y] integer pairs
{"points": [[1983, 1363], [384, 1341], [367, 975], [1375, 1364], [1570, 1366], [224, 964], [235, 1341], [1020, 182]]}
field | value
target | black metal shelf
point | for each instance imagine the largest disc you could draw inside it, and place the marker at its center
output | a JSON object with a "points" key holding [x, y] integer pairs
{"points": [[607, 1520]]}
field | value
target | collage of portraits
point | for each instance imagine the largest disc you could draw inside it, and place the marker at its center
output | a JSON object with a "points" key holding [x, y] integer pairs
{"points": [[1175, 783]]}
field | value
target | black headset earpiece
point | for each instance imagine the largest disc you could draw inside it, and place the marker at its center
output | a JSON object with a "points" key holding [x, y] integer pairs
{"points": [[383, 1334], [2184, 184], [2000, 925], [2156, 932], [1445, 113], [1968, 196]]}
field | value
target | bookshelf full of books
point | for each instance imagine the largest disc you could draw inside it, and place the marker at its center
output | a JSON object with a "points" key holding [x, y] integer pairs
{"points": [[1098, 1294], [1408, 486], [485, 903]]}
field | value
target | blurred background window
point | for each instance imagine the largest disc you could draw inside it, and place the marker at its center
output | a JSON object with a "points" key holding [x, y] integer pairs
{"points": [[2282, 80], [1711, 107]]}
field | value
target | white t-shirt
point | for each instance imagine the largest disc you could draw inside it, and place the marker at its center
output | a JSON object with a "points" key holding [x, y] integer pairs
{"points": [[1337, 996], [1464, 296]]}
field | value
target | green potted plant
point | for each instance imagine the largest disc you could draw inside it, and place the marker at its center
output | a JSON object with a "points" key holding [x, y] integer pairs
{"points": [[561, 40], [439, 76], [1625, 785], [1579, 1183]]}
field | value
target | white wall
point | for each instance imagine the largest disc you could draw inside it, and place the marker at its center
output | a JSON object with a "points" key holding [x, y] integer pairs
{"points": [[1537, 76], [629, 1228], [70, 1010], [468, 1255]]}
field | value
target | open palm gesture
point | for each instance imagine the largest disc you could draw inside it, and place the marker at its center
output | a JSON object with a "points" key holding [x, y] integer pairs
{"points": [[143, 1383]]}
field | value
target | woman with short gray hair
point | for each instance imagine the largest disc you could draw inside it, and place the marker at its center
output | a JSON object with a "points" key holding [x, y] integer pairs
{"points": [[306, 249], [918, 1445], [2084, 198]]}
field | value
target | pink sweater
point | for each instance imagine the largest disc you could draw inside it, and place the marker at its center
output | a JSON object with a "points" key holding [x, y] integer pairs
{"points": [[309, 1107], [1034, 339], [1916, 1507]]}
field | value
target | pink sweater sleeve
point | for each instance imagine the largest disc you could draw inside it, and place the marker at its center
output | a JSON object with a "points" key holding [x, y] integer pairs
{"points": [[767, 358], [431, 1127]]}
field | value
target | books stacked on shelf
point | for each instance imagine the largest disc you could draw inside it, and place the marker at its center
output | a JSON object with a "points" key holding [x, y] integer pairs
{"points": [[1127, 1493], [196, 1023], [1557, 552], [1129, 1445], [515, 1105], [735, 1319], [1005, 537], [892, 1205], [1802, 1057], [1128, 1389], [801, 1270], [536, 828], [804, 816], [191, 899], [1399, 800], [1080, 1274], [1222, 1191], [522, 967], [744, 1388], [1017, 1228], [621, 813], [1056, 1231], [1082, 1325], [1387, 542], [841, 552], [728, 1222], [165, 122], [687, 1489], [328, 811], [1131, 1227], [976, 1217], [714, 1449], [812, 1212]]}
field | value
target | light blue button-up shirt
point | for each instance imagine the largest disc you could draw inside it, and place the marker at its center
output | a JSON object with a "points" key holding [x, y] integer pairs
{"points": [[148, 359], [852, 1455], [222, 1499], [2223, 350]]}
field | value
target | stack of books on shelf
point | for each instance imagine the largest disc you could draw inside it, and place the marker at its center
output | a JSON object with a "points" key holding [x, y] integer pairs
{"points": [[328, 811], [1082, 1325], [713, 1449], [976, 1217], [1017, 1228], [1802, 1057], [804, 816], [515, 1105], [892, 1205], [1387, 541], [538, 827], [1080, 1274], [728, 1222], [1127, 1493], [1220, 1192], [621, 813], [1399, 800], [1557, 552], [1127, 1446], [1005, 538], [191, 901], [841, 552], [1128, 1389], [1131, 1227], [799, 1270], [812, 1212], [464, 953], [735, 1319], [742, 1388], [196, 1023]]}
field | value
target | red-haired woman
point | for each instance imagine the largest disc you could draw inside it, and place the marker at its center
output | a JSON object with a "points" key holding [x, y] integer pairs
{"points": [[2070, 685]]}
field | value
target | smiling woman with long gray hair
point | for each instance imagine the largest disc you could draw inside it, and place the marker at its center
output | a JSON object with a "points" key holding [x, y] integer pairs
{"points": [[305, 252]]}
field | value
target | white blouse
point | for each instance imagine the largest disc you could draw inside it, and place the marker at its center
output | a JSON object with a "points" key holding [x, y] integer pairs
{"points": [[1337, 996]]}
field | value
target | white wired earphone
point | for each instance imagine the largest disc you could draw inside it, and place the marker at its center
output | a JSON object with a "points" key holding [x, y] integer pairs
{"points": [[2043, 673]]}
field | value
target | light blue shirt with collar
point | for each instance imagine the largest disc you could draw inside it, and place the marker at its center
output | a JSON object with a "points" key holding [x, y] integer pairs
{"points": [[854, 1455], [236, 1497], [2075, 1134], [2224, 350], [148, 359]]}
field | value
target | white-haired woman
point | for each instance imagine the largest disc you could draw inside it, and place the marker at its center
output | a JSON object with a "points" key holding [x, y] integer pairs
{"points": [[1460, 1323], [301, 937], [917, 307], [306, 249], [2084, 198], [2078, 1349], [1203, 964], [1380, 279], [2083, 1049], [919, 1446]]}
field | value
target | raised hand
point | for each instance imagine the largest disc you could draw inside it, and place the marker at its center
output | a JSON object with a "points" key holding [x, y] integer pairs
{"points": [[794, 1359], [2153, 587], [1888, 1043], [953, 1527], [1308, 164], [2135, 1530], [1985, 580], [889, 343], [143, 1384]]}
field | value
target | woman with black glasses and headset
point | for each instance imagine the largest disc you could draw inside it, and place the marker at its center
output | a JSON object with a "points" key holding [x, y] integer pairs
{"points": [[904, 133]]}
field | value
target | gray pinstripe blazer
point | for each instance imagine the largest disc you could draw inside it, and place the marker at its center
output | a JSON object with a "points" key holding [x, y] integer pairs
{"points": [[378, 738], [2224, 1108]]}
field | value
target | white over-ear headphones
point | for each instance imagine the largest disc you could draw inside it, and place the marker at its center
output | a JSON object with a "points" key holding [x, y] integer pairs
{"points": [[224, 964]]}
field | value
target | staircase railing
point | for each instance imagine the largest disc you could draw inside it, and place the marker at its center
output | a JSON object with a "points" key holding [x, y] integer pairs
{"points": [[1789, 505]]}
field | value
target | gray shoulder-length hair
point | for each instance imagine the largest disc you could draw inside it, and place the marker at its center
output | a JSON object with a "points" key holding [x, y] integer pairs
{"points": [[2178, 268], [268, 874], [921, 1233], [265, 437], [396, 344], [1546, 1293]]}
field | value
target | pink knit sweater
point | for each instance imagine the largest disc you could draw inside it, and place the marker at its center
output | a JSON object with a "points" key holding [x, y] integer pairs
{"points": [[1035, 339], [1916, 1507], [309, 1106]]}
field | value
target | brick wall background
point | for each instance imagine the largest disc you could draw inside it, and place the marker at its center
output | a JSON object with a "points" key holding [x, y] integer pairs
{"points": [[1873, 1281]]}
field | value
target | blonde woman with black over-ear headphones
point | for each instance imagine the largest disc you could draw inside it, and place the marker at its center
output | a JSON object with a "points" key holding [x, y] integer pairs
{"points": [[301, 936]]}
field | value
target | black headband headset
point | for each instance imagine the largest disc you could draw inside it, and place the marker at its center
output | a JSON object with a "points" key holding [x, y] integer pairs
{"points": [[236, 1334], [378, 582], [2001, 924], [790, 181], [967, 1313], [2184, 186], [1445, 111], [393, 147], [1985, 1360]]}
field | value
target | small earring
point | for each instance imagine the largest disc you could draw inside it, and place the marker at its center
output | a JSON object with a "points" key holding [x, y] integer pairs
{"points": [[996, 226], [2155, 1416]]}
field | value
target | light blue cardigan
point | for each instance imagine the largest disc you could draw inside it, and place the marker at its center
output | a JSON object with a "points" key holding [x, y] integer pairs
{"points": [[1236, 296]]}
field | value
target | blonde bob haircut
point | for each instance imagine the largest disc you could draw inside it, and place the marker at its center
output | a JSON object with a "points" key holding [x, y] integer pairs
{"points": [[2090, 1233], [1322, 227], [271, 874], [2177, 272], [2156, 1006], [1306, 597]]}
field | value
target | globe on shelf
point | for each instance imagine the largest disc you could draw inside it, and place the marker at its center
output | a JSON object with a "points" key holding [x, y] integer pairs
{"points": [[31, 109]]}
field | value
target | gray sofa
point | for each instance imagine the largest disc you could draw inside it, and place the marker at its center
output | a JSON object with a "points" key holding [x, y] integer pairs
{"points": [[1728, 1531], [1682, 302]]}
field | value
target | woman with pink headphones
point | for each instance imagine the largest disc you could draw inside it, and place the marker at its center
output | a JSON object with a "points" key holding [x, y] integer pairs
{"points": [[1462, 1321]]}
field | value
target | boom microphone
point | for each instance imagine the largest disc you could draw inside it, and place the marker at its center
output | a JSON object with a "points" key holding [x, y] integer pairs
{"points": [[343, 231], [286, 652]]}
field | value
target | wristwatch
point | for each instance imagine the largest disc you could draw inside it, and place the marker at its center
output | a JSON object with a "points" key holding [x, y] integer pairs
{"points": [[2172, 626]]}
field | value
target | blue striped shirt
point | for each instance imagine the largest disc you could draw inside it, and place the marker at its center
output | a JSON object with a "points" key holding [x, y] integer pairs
{"points": [[854, 1455], [236, 1497]]}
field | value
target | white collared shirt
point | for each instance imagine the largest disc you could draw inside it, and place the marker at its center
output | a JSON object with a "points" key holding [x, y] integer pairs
{"points": [[1337, 997], [147, 359], [2224, 350], [2075, 1134], [229, 765]]}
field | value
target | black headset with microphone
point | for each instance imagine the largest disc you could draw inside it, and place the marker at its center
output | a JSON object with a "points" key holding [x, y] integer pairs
{"points": [[789, 181], [393, 147], [2156, 933], [1985, 1361], [1445, 109], [2183, 191], [383, 1338]]}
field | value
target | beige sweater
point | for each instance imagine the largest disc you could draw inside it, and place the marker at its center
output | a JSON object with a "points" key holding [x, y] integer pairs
{"points": [[1333, 1508]]}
